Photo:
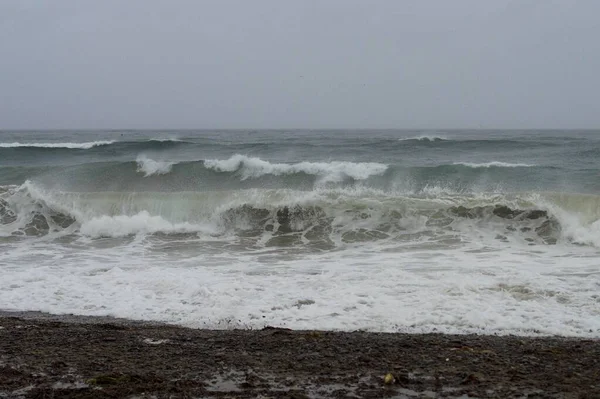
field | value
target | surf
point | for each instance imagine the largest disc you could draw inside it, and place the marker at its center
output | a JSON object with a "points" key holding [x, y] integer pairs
{"points": [[340, 216]]}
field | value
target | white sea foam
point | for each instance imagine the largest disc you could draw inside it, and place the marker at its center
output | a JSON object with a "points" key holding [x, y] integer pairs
{"points": [[376, 290], [580, 233], [219, 258], [83, 146], [141, 223], [470, 281], [496, 164], [151, 167], [333, 171], [578, 215]]}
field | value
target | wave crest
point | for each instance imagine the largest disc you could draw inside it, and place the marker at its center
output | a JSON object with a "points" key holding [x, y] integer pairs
{"points": [[151, 167], [80, 146], [494, 164], [335, 171], [140, 223], [427, 138], [327, 218]]}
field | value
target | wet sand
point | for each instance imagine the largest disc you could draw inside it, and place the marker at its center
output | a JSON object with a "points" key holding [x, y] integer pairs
{"points": [[44, 356]]}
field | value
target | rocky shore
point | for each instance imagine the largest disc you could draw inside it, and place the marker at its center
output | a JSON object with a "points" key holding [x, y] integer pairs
{"points": [[43, 356]]}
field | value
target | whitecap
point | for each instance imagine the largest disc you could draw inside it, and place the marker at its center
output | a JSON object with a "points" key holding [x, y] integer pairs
{"points": [[151, 167], [495, 164], [334, 171], [82, 146]]}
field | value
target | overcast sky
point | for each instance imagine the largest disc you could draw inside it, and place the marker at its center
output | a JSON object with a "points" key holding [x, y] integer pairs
{"points": [[304, 64]]}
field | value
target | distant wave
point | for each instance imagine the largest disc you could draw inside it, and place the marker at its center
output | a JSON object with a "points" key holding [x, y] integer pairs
{"points": [[143, 170], [82, 146], [334, 171], [110, 147], [151, 167], [430, 138], [494, 164], [167, 140]]}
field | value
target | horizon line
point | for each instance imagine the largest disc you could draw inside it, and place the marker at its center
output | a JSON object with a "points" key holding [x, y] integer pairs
{"points": [[124, 129]]}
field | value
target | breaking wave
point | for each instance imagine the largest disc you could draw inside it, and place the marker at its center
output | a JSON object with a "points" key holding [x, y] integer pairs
{"points": [[140, 223], [322, 219], [159, 172], [77, 146], [151, 167], [495, 164], [428, 138], [335, 171], [152, 144]]}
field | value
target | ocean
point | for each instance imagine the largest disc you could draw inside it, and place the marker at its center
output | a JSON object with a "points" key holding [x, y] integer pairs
{"points": [[452, 231]]}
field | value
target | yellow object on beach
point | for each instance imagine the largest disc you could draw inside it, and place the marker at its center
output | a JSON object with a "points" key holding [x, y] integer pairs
{"points": [[388, 379]]}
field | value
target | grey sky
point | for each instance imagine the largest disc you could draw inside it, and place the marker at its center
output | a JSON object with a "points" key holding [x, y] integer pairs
{"points": [[305, 63]]}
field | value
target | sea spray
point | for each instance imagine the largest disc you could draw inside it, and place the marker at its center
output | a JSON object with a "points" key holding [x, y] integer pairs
{"points": [[151, 167]]}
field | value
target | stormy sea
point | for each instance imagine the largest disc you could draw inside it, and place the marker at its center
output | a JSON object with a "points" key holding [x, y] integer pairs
{"points": [[454, 231]]}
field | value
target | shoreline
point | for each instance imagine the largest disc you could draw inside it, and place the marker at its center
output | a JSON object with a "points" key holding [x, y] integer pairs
{"points": [[44, 355]]}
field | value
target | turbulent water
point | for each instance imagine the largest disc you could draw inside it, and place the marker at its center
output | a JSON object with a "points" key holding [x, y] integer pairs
{"points": [[452, 231]]}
